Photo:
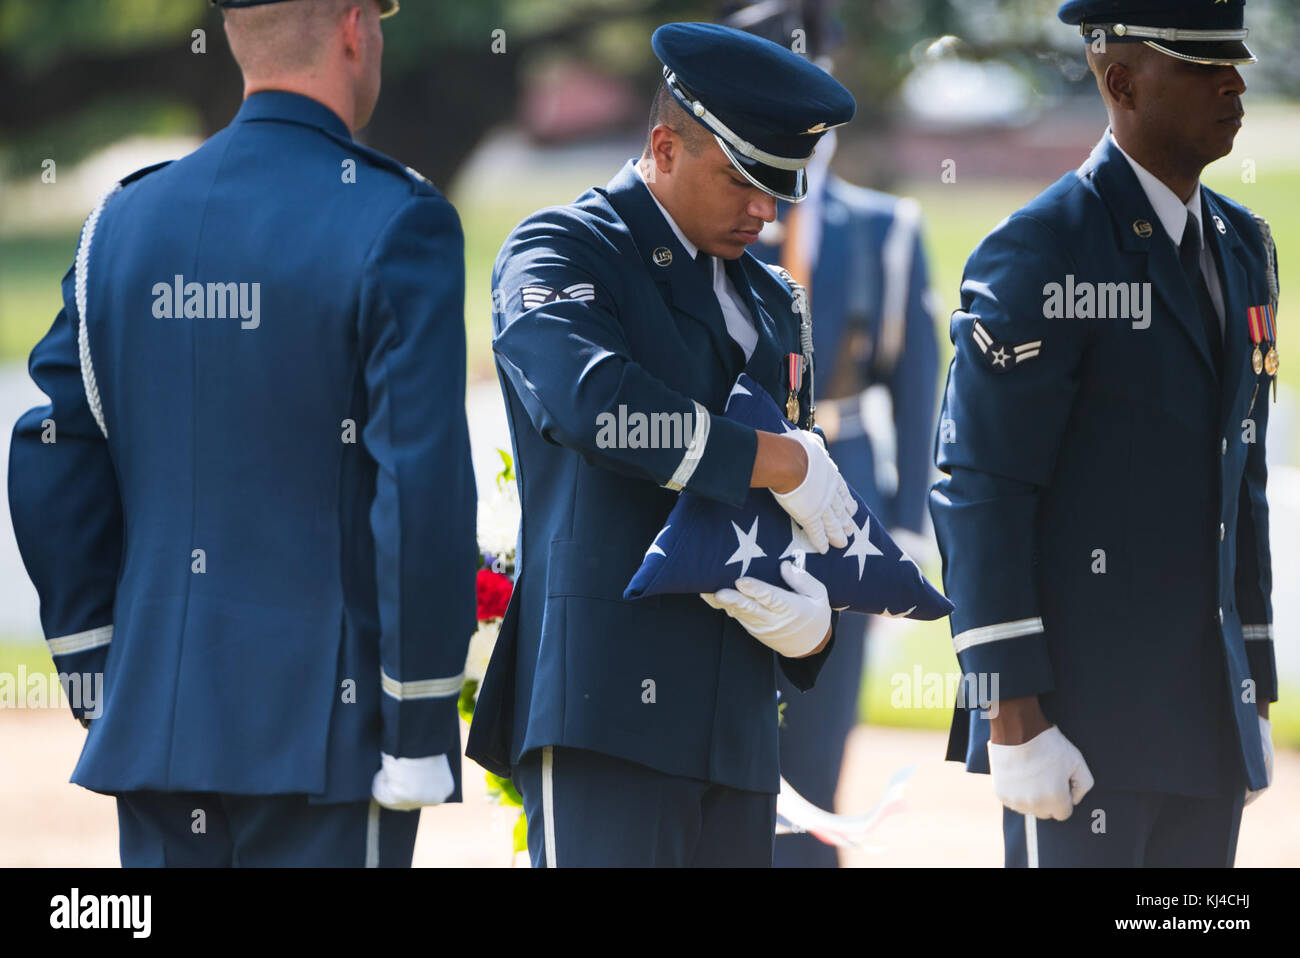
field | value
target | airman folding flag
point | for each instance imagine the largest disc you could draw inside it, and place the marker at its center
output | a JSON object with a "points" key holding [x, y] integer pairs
{"points": [[706, 545]]}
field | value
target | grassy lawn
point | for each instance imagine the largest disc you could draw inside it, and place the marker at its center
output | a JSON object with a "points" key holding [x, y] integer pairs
{"points": [[31, 655], [31, 269]]}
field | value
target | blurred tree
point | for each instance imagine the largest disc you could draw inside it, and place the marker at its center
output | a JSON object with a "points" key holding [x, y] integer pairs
{"points": [[79, 74]]}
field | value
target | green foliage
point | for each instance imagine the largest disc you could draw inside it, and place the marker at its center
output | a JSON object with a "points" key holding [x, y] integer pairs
{"points": [[507, 474], [503, 791], [34, 31]]}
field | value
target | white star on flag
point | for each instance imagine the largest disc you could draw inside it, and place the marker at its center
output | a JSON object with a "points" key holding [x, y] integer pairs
{"points": [[897, 615], [747, 547], [798, 542], [654, 546], [862, 546], [738, 390]]}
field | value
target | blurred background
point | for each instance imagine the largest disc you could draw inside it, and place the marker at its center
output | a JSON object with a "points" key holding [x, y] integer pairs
{"points": [[970, 106]]}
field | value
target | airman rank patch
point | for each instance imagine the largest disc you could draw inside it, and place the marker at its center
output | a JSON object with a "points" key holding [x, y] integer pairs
{"points": [[535, 296], [1001, 356]]}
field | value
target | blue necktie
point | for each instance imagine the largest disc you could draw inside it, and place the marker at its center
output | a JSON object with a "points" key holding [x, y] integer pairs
{"points": [[1189, 254], [704, 263]]}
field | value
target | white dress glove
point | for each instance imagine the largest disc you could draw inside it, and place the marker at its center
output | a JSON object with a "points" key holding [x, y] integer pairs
{"points": [[1265, 736], [1045, 777], [792, 623], [406, 783], [822, 503]]}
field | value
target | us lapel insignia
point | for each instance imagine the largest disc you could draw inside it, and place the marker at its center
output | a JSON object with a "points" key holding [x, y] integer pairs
{"points": [[1219, 225], [1142, 228], [1001, 356], [663, 256]]}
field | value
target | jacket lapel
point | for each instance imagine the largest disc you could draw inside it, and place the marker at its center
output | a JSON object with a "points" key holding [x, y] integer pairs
{"points": [[1133, 215], [682, 285], [1228, 251]]}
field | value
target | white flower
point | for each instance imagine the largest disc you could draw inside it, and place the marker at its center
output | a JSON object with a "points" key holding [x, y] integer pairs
{"points": [[480, 649], [498, 520]]}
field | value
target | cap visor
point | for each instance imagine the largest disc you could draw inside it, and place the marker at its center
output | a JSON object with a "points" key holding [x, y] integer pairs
{"points": [[789, 185], [387, 8], [1224, 53]]}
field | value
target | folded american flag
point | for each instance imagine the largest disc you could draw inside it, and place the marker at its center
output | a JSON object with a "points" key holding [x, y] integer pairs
{"points": [[706, 545]]}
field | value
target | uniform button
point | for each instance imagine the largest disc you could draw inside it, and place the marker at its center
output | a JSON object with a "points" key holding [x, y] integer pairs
{"points": [[1220, 615], [1223, 447], [1222, 531]]}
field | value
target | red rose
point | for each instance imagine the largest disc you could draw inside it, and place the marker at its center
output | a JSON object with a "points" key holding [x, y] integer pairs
{"points": [[493, 590]]}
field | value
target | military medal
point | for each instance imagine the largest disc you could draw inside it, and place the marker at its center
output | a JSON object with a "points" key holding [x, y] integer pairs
{"points": [[1256, 323], [1271, 361], [794, 363]]}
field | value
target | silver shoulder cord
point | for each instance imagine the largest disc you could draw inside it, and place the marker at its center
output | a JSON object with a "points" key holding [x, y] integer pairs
{"points": [[802, 307], [1270, 251], [82, 270]]}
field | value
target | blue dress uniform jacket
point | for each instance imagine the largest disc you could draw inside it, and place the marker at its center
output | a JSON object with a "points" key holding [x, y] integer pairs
{"points": [[1109, 443], [870, 296], [628, 319], [327, 615]]}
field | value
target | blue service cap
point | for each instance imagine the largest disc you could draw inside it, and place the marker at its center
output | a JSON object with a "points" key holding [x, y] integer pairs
{"points": [[1211, 32], [386, 7], [766, 106]]}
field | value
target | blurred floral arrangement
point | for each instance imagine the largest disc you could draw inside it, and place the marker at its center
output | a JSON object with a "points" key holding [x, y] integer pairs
{"points": [[498, 535]]}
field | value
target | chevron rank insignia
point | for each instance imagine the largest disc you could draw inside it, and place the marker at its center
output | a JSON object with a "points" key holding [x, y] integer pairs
{"points": [[535, 296], [1002, 356]]}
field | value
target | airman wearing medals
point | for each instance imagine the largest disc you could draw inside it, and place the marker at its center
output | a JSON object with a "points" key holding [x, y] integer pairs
{"points": [[1133, 639]]}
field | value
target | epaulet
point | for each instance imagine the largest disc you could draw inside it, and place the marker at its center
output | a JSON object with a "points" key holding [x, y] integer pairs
{"points": [[419, 183], [1270, 253], [142, 173]]}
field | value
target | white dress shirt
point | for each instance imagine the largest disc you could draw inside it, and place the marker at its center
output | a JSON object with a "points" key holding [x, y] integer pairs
{"points": [[740, 324], [1172, 213]]}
